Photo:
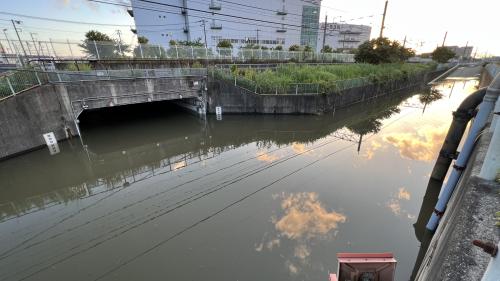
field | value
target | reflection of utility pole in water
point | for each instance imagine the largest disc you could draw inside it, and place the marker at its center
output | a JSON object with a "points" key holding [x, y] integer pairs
{"points": [[359, 142], [421, 232]]}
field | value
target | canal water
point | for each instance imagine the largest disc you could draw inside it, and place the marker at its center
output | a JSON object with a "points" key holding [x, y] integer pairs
{"points": [[157, 194]]}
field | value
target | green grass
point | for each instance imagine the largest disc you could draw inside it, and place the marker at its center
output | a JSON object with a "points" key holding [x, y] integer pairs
{"points": [[327, 78]]}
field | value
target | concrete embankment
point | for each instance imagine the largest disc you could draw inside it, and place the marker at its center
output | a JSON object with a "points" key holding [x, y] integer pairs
{"points": [[25, 117], [234, 100], [449, 254]]}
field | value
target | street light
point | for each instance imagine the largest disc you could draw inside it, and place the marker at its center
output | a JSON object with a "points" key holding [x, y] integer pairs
{"points": [[34, 44], [8, 41], [18, 37]]}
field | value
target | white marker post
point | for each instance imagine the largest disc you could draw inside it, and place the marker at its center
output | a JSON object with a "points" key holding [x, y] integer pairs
{"points": [[51, 141], [218, 113]]}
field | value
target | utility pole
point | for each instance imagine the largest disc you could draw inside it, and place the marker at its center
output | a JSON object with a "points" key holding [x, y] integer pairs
{"points": [[34, 44], [257, 36], [444, 39], [465, 49], [19, 38], [119, 32], [324, 31], [8, 41], [204, 32], [404, 42], [383, 19]]}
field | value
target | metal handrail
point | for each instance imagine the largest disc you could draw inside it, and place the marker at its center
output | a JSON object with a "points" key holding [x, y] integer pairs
{"points": [[10, 85]]}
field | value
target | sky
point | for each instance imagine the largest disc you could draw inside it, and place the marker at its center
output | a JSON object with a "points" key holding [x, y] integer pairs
{"points": [[423, 22]]}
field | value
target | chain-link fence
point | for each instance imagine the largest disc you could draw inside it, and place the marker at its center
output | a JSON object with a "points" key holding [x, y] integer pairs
{"points": [[31, 50], [306, 88]]}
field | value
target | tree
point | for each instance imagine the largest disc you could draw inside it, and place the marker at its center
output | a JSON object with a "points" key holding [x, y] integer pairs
{"points": [[142, 40], [442, 54], [224, 44], [143, 50], [100, 45], [327, 49], [225, 48], [382, 50], [250, 46], [294, 48], [278, 48], [187, 49], [307, 48]]}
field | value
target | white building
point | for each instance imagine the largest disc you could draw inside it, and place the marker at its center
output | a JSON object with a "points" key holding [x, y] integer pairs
{"points": [[264, 22], [343, 36]]}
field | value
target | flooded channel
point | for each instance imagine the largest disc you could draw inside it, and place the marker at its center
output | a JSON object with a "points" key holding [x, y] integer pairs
{"points": [[158, 194]]}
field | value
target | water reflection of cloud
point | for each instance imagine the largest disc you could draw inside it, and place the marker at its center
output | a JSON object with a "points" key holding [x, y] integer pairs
{"points": [[179, 165], [371, 149], [304, 222], [298, 147], [265, 157], [423, 145], [404, 194], [305, 217], [394, 203]]}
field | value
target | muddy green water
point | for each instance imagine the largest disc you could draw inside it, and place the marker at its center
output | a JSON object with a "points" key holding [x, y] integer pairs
{"points": [[158, 194]]}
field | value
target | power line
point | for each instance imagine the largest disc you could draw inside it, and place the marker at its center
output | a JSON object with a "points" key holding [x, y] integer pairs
{"points": [[212, 13], [71, 21]]}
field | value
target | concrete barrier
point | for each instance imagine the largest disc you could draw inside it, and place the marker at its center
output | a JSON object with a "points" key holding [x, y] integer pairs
{"points": [[234, 99]]}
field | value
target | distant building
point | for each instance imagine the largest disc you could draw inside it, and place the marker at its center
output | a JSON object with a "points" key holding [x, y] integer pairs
{"points": [[264, 22], [343, 36], [464, 52]]}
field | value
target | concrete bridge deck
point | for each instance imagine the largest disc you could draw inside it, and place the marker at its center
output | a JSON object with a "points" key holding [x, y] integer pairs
{"points": [[56, 105]]}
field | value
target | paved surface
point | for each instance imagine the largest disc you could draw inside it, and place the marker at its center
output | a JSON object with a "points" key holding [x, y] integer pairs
{"points": [[466, 72]]}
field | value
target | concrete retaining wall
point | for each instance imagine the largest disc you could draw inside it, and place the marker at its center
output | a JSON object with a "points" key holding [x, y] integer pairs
{"points": [[489, 72], [234, 99], [24, 118]]}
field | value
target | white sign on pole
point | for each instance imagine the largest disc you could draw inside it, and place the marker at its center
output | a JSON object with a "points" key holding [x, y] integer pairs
{"points": [[51, 141]]}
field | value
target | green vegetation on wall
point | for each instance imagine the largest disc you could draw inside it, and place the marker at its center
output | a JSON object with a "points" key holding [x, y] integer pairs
{"points": [[323, 79]]}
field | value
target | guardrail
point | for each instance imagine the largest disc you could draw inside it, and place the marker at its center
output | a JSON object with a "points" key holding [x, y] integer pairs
{"points": [[22, 80]]}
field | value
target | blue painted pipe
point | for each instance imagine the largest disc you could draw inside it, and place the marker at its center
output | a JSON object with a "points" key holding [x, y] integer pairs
{"points": [[485, 109]]}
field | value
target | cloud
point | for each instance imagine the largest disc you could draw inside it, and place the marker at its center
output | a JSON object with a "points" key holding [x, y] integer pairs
{"points": [[423, 145], [305, 217], [77, 4]]}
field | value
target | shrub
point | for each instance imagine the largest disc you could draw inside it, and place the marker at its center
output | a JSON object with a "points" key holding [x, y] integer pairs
{"points": [[382, 50], [442, 54]]}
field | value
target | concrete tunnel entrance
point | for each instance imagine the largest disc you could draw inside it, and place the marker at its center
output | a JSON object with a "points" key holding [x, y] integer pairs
{"points": [[130, 115]]}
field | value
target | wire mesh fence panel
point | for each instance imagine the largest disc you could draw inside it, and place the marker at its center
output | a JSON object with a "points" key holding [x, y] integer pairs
{"points": [[88, 49]]}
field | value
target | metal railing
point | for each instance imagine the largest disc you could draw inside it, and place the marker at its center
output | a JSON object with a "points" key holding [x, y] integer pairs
{"points": [[114, 50], [303, 88], [22, 80]]}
